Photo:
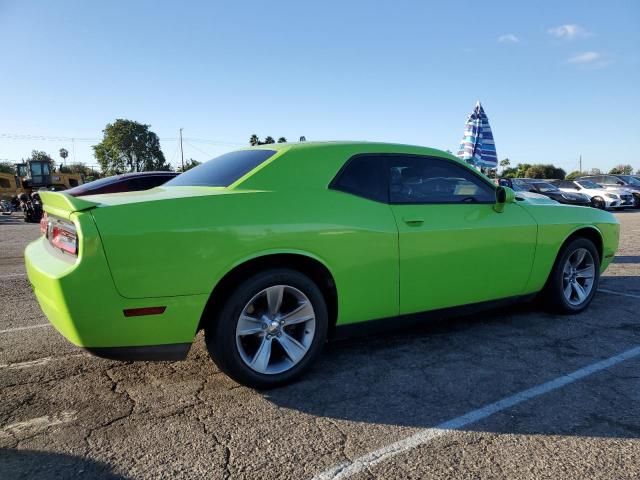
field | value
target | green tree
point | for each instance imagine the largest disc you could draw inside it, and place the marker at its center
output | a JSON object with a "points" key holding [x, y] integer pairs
{"points": [[39, 156], [188, 165], [79, 167], [64, 153], [622, 170], [519, 171], [504, 164], [7, 167], [544, 171], [575, 174], [255, 140], [129, 146]]}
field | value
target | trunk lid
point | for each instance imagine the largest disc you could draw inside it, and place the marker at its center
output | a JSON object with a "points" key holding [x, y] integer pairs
{"points": [[62, 205]]}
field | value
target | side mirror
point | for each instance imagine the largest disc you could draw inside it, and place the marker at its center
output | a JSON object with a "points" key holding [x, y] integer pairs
{"points": [[619, 182], [504, 195]]}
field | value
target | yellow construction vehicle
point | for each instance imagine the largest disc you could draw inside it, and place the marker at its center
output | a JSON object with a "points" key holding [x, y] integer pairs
{"points": [[8, 186], [34, 175]]}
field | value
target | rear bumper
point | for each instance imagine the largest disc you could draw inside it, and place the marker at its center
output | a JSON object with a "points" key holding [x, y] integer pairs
{"points": [[150, 353], [81, 302]]}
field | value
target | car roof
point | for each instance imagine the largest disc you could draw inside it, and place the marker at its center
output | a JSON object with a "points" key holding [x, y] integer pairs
{"points": [[336, 143], [314, 164], [143, 174]]}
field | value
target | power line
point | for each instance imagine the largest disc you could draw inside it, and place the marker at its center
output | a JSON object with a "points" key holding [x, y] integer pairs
{"points": [[198, 149], [46, 138]]}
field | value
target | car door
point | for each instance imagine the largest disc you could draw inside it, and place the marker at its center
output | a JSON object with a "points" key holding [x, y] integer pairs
{"points": [[454, 247]]}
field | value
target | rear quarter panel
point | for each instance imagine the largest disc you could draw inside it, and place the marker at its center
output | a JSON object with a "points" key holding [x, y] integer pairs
{"points": [[184, 246]]}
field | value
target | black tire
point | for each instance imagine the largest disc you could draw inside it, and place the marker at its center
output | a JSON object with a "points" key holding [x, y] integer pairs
{"points": [[553, 291], [598, 202], [220, 334]]}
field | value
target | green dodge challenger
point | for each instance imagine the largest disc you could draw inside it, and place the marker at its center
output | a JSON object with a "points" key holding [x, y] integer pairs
{"points": [[271, 250]]}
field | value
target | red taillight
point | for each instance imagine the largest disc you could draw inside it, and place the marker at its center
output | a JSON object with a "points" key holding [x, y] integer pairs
{"points": [[43, 224], [64, 237]]}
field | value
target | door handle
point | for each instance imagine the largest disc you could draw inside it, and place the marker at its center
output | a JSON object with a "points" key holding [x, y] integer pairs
{"points": [[413, 221]]}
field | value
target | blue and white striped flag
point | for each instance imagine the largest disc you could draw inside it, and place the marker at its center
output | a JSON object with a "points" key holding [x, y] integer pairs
{"points": [[477, 146]]}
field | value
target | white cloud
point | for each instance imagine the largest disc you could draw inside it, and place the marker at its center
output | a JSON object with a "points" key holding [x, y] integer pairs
{"points": [[586, 57], [568, 31], [590, 59], [508, 38]]}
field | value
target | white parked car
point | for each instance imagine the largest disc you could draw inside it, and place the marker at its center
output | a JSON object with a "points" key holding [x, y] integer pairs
{"points": [[601, 197]]}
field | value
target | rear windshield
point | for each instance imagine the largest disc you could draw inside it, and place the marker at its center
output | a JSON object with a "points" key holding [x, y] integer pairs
{"points": [[222, 171], [86, 187]]}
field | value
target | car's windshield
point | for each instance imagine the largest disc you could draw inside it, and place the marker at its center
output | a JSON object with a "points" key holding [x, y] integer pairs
{"points": [[630, 180], [545, 187], [588, 184], [222, 171]]}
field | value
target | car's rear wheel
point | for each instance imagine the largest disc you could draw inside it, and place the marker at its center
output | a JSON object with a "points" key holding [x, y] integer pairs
{"points": [[270, 329], [574, 278], [598, 202]]}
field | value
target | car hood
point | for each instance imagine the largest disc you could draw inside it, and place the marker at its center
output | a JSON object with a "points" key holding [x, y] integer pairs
{"points": [[589, 191], [619, 191], [530, 195], [535, 199]]}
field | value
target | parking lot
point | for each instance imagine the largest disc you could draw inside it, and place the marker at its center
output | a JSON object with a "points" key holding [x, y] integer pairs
{"points": [[511, 393]]}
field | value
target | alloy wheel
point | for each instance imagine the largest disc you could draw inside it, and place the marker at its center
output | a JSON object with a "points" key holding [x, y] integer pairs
{"points": [[275, 329], [578, 276]]}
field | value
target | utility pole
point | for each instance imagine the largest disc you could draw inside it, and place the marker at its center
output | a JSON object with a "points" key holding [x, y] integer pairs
{"points": [[181, 151], [580, 163]]}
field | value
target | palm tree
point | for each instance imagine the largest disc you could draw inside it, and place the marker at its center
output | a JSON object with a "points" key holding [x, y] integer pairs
{"points": [[64, 153], [269, 140], [282, 140], [254, 140]]}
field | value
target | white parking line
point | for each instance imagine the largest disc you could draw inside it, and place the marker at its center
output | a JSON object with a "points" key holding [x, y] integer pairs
{"points": [[360, 464], [612, 292], [38, 362], [13, 275], [36, 425], [17, 329]]}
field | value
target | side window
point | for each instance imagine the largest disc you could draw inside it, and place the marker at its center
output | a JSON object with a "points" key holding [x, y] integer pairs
{"points": [[609, 180], [363, 175], [415, 179]]}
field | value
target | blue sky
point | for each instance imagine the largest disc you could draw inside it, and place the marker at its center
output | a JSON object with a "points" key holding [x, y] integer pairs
{"points": [[557, 79]]}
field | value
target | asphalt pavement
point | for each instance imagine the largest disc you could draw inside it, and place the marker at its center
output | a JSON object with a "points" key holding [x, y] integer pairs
{"points": [[512, 393]]}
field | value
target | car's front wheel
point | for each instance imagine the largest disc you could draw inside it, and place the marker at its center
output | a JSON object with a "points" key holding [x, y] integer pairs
{"points": [[270, 329], [574, 279], [598, 202]]}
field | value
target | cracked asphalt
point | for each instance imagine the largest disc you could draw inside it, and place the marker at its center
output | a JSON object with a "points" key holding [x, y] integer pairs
{"points": [[66, 414]]}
